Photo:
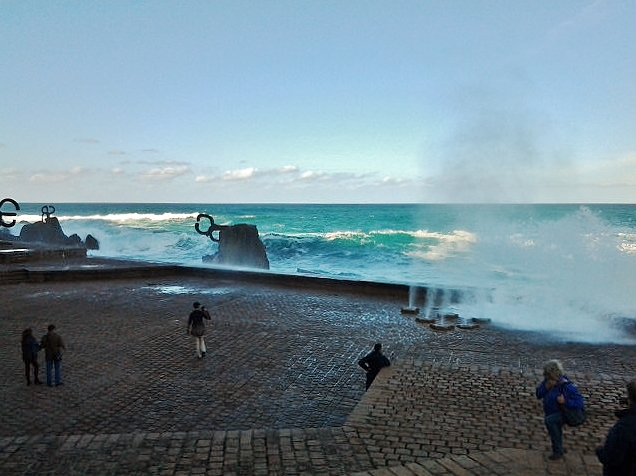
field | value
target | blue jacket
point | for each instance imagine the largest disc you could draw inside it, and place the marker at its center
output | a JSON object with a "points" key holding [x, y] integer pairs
{"points": [[573, 398], [618, 455]]}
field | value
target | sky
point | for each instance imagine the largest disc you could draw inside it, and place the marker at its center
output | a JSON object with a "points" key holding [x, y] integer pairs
{"points": [[504, 101]]}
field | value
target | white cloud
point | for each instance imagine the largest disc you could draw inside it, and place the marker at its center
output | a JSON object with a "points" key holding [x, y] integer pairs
{"points": [[287, 169], [240, 174], [163, 163], [164, 174], [43, 178]]}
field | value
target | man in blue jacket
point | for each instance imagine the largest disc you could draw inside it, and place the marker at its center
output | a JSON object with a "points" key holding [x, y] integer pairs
{"points": [[556, 390], [618, 455]]}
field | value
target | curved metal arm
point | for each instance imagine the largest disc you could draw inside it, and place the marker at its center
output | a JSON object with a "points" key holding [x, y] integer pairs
{"points": [[211, 229], [47, 210], [8, 214]]}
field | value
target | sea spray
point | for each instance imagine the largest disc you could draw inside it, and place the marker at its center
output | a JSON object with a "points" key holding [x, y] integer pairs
{"points": [[561, 269]]}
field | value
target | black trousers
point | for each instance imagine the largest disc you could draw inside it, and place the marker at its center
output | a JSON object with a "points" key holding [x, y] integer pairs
{"points": [[371, 375], [27, 370]]}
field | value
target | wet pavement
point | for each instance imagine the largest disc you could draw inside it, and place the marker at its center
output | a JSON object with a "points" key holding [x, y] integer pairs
{"points": [[279, 392]]}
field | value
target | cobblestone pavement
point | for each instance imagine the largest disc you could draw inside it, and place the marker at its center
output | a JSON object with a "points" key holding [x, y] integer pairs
{"points": [[279, 392]]}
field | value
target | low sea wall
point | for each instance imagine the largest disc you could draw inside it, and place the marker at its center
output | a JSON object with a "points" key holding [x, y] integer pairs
{"points": [[102, 268]]}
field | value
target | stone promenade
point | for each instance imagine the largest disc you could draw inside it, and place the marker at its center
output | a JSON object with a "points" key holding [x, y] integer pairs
{"points": [[279, 392]]}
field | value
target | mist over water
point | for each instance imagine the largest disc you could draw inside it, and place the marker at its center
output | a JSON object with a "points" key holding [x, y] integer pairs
{"points": [[570, 275], [566, 270]]}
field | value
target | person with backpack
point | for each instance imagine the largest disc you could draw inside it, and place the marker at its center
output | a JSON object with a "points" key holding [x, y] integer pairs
{"points": [[559, 395]]}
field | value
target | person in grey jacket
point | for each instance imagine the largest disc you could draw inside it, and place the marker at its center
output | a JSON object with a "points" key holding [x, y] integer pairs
{"points": [[618, 454]]}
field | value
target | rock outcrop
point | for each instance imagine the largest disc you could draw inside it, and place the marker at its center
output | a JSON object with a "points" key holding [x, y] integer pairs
{"points": [[239, 245], [49, 233]]}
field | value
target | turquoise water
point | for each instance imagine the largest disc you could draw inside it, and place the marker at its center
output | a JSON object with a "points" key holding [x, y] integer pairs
{"points": [[567, 269]]}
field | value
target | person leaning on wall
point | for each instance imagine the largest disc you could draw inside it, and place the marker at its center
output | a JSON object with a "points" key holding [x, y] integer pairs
{"points": [[372, 363]]}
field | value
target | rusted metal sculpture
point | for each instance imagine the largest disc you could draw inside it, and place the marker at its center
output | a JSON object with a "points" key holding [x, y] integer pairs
{"points": [[8, 214]]}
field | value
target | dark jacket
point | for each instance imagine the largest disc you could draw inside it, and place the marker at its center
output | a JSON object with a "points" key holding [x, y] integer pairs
{"points": [[30, 349], [52, 344], [573, 398], [195, 322], [373, 362], [618, 455]]}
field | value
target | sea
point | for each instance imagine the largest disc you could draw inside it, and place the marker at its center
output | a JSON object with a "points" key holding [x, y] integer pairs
{"points": [[565, 270]]}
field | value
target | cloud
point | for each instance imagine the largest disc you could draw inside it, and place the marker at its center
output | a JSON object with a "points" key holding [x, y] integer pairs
{"points": [[162, 163], [11, 175], [240, 174], [286, 169], [164, 174], [312, 175], [46, 177], [116, 152], [86, 140], [291, 177], [620, 172]]}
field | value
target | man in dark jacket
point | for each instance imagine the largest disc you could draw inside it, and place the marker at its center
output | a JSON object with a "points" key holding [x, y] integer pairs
{"points": [[196, 328], [618, 455], [53, 344], [373, 362]]}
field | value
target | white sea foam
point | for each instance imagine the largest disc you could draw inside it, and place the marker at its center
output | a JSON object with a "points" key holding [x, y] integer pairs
{"points": [[564, 270]]}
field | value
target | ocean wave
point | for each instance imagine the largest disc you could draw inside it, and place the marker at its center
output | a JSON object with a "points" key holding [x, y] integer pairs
{"points": [[117, 217]]}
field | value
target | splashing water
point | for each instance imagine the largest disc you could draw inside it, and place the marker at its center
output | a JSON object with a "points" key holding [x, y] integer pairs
{"points": [[561, 269]]}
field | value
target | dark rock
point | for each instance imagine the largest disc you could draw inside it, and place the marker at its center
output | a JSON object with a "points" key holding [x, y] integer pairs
{"points": [[75, 240], [5, 235], [48, 232], [91, 242], [240, 245]]}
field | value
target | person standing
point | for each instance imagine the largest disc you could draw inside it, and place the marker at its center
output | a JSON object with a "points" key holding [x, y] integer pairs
{"points": [[556, 390], [196, 328], [53, 344], [30, 349], [618, 454], [373, 362]]}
